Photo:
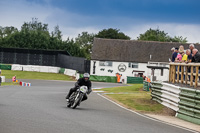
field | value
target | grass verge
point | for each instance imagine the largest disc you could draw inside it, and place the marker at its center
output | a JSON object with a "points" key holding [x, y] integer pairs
{"points": [[33, 75], [133, 97], [9, 83]]}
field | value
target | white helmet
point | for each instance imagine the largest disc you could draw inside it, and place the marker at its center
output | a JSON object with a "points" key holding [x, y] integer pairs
{"points": [[86, 75]]}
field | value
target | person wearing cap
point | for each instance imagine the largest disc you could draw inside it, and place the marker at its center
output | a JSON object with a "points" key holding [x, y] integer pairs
{"points": [[81, 82], [174, 55], [172, 50]]}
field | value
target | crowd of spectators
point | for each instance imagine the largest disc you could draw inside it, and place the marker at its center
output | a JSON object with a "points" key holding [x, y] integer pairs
{"points": [[189, 55]]}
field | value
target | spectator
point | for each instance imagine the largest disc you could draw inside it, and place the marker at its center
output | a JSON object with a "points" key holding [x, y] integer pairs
{"points": [[191, 47], [188, 53], [184, 57], [174, 55], [181, 48], [196, 55], [14, 78], [189, 60], [173, 50], [144, 77], [180, 55]]}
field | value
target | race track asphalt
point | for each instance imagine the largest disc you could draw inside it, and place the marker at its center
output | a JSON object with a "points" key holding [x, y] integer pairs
{"points": [[41, 108]]}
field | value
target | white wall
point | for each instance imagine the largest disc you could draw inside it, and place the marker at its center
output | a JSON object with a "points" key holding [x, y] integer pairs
{"points": [[157, 72], [128, 72], [104, 70]]}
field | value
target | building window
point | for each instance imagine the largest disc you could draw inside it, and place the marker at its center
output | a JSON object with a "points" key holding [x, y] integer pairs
{"points": [[133, 65], [105, 63]]}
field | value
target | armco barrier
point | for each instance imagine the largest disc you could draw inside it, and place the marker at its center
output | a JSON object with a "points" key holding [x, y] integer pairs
{"points": [[185, 101], [70, 72], [134, 80], [17, 67], [111, 79], [156, 91], [189, 105], [5, 67], [62, 70], [36, 68], [146, 86]]}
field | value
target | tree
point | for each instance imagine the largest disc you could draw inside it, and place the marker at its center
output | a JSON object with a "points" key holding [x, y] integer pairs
{"points": [[157, 35], [56, 39], [112, 34], [73, 48], [154, 35], [57, 33], [35, 35], [179, 39], [85, 42]]}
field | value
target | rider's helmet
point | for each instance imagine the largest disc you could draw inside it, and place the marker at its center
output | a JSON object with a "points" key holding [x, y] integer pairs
{"points": [[86, 76]]}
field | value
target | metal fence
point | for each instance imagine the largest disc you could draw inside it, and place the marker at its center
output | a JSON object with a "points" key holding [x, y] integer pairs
{"points": [[43, 58], [77, 63]]}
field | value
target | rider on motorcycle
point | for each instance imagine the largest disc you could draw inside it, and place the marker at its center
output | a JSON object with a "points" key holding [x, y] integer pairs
{"points": [[81, 81]]}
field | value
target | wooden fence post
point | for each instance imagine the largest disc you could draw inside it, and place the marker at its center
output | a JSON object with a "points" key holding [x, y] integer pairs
{"points": [[191, 76], [178, 74], [196, 77], [182, 74], [174, 73], [186, 74], [170, 73]]}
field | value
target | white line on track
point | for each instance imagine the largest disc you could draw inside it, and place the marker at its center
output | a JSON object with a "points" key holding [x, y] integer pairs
{"points": [[147, 116]]}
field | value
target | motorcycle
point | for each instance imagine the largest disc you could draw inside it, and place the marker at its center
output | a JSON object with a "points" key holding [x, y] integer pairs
{"points": [[77, 96]]}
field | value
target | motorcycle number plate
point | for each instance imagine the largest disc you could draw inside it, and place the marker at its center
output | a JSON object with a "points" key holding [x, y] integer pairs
{"points": [[83, 90]]}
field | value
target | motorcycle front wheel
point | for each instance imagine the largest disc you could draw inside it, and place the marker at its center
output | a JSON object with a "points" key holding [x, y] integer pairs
{"points": [[77, 101]]}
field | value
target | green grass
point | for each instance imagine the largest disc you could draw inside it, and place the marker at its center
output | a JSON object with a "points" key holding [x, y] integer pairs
{"points": [[134, 98], [9, 83], [34, 75], [132, 88]]}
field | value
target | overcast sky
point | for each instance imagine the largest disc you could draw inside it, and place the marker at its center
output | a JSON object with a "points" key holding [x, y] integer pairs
{"points": [[132, 17]]}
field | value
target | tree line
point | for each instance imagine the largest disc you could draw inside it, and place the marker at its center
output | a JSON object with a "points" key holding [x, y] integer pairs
{"points": [[36, 35]]}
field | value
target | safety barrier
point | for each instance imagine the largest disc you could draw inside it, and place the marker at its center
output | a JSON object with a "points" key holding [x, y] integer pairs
{"points": [[35, 68], [146, 86], [5, 67], [111, 79], [185, 101], [62, 70], [134, 80], [24, 83], [70, 72], [3, 79], [189, 105]]}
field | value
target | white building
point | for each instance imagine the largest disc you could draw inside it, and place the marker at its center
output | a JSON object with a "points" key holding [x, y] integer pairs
{"points": [[131, 58]]}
